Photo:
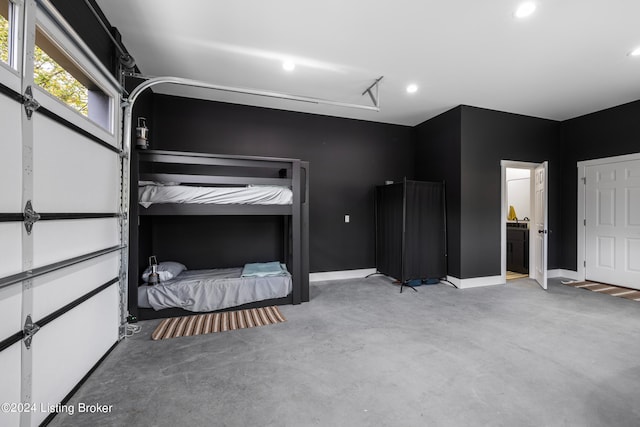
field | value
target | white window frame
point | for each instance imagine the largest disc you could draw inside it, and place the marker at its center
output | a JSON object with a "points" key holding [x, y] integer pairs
{"points": [[10, 73], [109, 87]]}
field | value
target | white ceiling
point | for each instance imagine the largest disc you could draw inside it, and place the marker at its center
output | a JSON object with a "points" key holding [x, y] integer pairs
{"points": [[568, 59]]}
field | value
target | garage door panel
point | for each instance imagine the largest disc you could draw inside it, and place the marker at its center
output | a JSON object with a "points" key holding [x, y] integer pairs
{"points": [[55, 290], [10, 311], [10, 384], [69, 168], [71, 172], [11, 158], [10, 244], [53, 106], [10, 78], [55, 241], [65, 349]]}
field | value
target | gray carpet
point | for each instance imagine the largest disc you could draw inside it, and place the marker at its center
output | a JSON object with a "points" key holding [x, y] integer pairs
{"points": [[362, 354]]}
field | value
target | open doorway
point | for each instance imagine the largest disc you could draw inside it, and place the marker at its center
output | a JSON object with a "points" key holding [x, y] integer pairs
{"points": [[524, 220], [519, 203]]}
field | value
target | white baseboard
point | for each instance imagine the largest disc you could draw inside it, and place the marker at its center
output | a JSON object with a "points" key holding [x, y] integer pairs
{"points": [[340, 275], [569, 274], [362, 273], [476, 282]]}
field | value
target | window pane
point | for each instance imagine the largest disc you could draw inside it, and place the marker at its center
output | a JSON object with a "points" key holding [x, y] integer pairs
{"points": [[4, 31], [60, 75], [50, 76]]}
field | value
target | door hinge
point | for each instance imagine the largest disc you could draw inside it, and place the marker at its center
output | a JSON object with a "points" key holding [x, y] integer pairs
{"points": [[30, 103], [30, 217], [29, 330], [584, 263], [584, 180], [585, 222]]}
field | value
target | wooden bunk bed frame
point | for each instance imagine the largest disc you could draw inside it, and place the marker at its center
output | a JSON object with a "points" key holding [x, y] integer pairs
{"points": [[295, 215]]}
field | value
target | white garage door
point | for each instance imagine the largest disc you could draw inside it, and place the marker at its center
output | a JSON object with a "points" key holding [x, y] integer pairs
{"points": [[612, 208], [61, 269]]}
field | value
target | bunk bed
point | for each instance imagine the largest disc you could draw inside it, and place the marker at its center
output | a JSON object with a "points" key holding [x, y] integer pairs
{"points": [[185, 184]]}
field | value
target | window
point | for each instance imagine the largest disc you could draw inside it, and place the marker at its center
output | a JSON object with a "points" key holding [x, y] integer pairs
{"points": [[58, 74], [5, 31]]}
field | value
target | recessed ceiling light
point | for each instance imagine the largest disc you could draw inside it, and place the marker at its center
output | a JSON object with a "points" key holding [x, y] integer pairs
{"points": [[412, 88], [635, 52], [525, 9], [289, 65]]}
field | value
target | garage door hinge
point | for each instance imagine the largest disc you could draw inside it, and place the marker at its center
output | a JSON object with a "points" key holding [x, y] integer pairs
{"points": [[29, 331], [30, 217], [30, 104]]}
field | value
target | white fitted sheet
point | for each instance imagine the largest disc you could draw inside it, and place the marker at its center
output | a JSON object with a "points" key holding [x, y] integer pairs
{"points": [[252, 195]]}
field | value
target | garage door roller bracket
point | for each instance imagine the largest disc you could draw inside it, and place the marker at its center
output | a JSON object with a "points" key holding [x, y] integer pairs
{"points": [[30, 217], [29, 330]]}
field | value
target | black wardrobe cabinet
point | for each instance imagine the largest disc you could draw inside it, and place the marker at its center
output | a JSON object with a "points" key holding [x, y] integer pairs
{"points": [[411, 231]]}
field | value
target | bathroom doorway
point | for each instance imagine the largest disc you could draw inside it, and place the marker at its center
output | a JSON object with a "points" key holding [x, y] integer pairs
{"points": [[518, 182], [524, 221]]}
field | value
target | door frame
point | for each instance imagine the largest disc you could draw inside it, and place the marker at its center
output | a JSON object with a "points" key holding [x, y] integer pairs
{"points": [[581, 257], [504, 164]]}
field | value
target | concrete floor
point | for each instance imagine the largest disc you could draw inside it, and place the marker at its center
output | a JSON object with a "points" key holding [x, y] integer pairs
{"points": [[362, 354]]}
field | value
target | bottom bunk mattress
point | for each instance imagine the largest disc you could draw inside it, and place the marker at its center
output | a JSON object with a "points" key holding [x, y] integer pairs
{"points": [[214, 289]]}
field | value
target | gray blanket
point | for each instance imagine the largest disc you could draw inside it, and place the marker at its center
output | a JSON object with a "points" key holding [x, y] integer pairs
{"points": [[208, 290]]}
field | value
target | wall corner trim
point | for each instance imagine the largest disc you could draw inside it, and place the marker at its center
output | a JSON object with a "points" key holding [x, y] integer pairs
{"points": [[476, 282], [341, 275], [569, 274]]}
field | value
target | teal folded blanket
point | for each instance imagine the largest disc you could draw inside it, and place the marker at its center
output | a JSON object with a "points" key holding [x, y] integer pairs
{"points": [[264, 269]]}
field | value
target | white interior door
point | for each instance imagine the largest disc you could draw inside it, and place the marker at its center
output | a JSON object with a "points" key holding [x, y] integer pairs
{"points": [[540, 222], [612, 228]]}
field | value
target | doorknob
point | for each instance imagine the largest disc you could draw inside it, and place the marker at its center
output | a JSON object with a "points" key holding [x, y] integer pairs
{"points": [[542, 231]]}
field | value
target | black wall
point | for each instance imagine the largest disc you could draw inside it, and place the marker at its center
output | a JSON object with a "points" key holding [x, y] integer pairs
{"points": [[80, 17], [348, 158], [610, 132], [200, 243], [487, 138], [438, 159], [464, 147]]}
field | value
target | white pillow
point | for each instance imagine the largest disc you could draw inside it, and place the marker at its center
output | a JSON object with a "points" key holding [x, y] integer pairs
{"points": [[166, 271]]}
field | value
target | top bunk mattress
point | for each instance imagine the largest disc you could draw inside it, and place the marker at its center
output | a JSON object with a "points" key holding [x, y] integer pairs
{"points": [[250, 195]]}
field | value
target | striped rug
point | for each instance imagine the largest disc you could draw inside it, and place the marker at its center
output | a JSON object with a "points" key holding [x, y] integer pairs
{"points": [[616, 291], [201, 324]]}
